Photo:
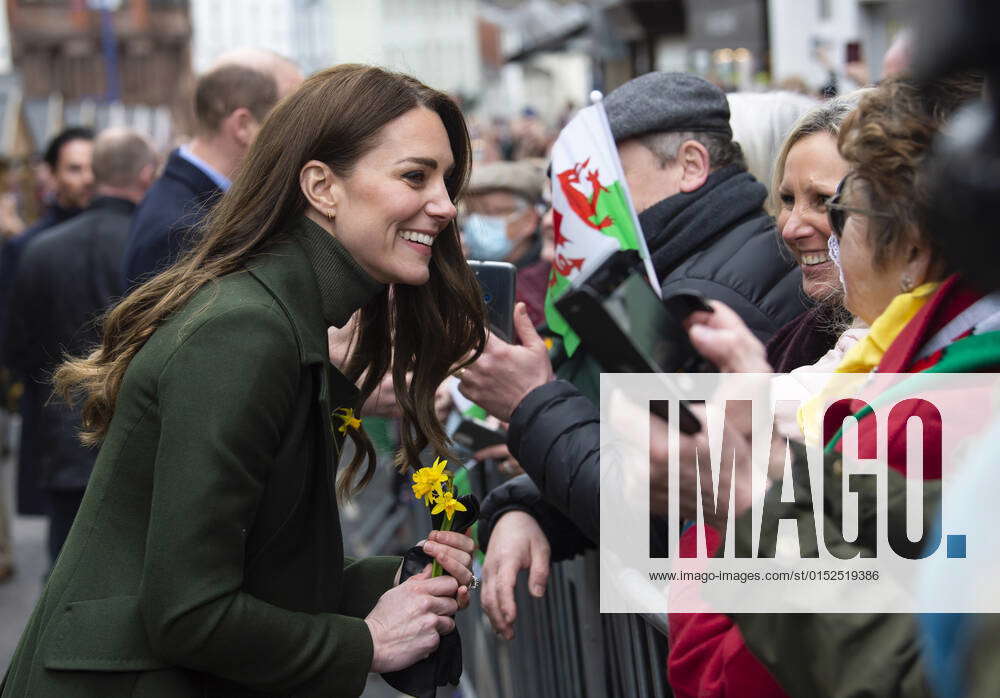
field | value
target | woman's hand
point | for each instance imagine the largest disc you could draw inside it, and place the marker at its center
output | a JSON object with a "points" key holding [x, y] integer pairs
{"points": [[517, 543], [724, 339], [408, 621], [453, 551]]}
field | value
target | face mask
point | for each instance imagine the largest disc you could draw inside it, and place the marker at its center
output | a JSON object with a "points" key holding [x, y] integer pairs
{"points": [[486, 237], [833, 247]]}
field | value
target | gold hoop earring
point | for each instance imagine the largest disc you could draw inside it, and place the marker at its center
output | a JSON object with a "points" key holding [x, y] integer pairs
{"points": [[906, 283], [329, 213]]}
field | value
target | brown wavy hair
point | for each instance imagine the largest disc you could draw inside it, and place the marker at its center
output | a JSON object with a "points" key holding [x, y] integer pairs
{"points": [[430, 330], [886, 140]]}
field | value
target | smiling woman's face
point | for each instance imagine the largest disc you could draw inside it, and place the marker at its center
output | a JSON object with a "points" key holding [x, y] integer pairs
{"points": [[395, 203], [813, 169]]}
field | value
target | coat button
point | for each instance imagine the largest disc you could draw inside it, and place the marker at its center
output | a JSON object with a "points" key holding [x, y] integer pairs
{"points": [[838, 467]]}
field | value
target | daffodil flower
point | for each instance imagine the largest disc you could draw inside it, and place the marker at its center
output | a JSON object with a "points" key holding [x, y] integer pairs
{"points": [[428, 481], [346, 416], [447, 503]]}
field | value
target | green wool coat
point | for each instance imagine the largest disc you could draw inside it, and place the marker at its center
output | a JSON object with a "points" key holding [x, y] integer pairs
{"points": [[207, 558]]}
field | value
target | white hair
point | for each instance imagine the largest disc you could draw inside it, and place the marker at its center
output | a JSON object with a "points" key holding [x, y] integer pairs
{"points": [[760, 123]]}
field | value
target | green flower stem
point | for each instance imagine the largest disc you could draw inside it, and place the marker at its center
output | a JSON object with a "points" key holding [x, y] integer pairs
{"points": [[436, 570]]}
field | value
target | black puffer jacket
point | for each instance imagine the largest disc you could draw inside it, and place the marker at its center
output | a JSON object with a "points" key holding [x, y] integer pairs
{"points": [[720, 242], [555, 434], [717, 240]]}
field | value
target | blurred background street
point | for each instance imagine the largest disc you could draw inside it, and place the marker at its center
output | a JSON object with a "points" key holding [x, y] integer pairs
{"points": [[520, 70]]}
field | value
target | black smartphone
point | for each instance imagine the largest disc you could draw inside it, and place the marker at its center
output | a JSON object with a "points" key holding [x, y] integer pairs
{"points": [[632, 331], [475, 436], [498, 281]]}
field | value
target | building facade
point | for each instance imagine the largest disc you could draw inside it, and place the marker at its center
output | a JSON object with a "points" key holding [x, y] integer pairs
{"points": [[134, 51], [727, 41], [298, 29], [814, 39], [437, 41]]}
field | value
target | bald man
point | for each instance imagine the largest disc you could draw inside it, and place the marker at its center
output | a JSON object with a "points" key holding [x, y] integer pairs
{"points": [[67, 277], [230, 102]]}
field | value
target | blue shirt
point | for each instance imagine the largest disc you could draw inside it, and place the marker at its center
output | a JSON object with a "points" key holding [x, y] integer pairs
{"points": [[221, 181]]}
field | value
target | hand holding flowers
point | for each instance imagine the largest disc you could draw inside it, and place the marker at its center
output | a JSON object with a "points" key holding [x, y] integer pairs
{"points": [[451, 550]]}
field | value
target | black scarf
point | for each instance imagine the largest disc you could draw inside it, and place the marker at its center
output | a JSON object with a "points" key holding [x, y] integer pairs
{"points": [[686, 222]]}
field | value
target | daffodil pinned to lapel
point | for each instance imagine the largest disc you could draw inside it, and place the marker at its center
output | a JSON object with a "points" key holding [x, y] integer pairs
{"points": [[347, 419]]}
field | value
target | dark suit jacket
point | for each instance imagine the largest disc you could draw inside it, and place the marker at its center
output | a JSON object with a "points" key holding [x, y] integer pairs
{"points": [[167, 219], [10, 253], [31, 499], [207, 558], [67, 277]]}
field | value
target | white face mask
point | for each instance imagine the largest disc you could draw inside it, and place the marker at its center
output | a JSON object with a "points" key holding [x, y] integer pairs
{"points": [[486, 237], [833, 248]]}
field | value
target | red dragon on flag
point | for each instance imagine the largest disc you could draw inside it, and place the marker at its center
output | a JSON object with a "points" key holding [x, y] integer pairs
{"points": [[583, 207], [592, 216]]}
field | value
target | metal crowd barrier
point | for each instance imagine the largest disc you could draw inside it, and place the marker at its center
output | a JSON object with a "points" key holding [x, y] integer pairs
{"points": [[563, 646]]}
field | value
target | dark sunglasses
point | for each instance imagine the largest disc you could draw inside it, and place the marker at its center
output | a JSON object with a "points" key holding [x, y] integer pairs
{"points": [[837, 212]]}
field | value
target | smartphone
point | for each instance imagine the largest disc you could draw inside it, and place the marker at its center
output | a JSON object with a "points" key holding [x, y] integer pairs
{"points": [[633, 331], [498, 282], [852, 52], [475, 436]]}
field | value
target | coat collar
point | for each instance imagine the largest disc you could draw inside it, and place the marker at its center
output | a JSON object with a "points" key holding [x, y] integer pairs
{"points": [[343, 285], [680, 225], [316, 282], [951, 298], [112, 204], [186, 172]]}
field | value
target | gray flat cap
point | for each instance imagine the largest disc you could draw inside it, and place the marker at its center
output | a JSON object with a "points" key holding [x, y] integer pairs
{"points": [[523, 177], [657, 102]]}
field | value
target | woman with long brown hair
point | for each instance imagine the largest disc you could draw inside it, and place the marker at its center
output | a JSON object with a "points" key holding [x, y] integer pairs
{"points": [[207, 557]]}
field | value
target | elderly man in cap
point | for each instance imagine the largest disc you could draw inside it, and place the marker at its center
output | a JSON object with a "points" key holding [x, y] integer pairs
{"points": [[703, 218], [501, 222]]}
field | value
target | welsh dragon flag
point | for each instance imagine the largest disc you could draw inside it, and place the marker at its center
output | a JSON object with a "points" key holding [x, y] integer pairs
{"points": [[593, 214]]}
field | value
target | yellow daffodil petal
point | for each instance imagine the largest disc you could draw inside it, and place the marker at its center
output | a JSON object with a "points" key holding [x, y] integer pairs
{"points": [[347, 418], [447, 503], [439, 466]]}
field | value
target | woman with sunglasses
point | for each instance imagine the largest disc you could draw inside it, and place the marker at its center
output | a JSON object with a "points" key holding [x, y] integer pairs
{"points": [[896, 281]]}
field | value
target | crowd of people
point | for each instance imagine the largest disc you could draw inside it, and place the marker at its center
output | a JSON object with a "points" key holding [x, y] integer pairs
{"points": [[186, 332]]}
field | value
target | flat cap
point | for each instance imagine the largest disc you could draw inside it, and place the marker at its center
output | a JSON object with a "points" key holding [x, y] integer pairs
{"points": [[658, 102], [523, 177]]}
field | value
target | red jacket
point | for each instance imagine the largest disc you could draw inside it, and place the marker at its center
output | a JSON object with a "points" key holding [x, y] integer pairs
{"points": [[708, 658]]}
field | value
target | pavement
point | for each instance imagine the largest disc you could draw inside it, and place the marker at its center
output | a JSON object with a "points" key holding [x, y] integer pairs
{"points": [[31, 561]]}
